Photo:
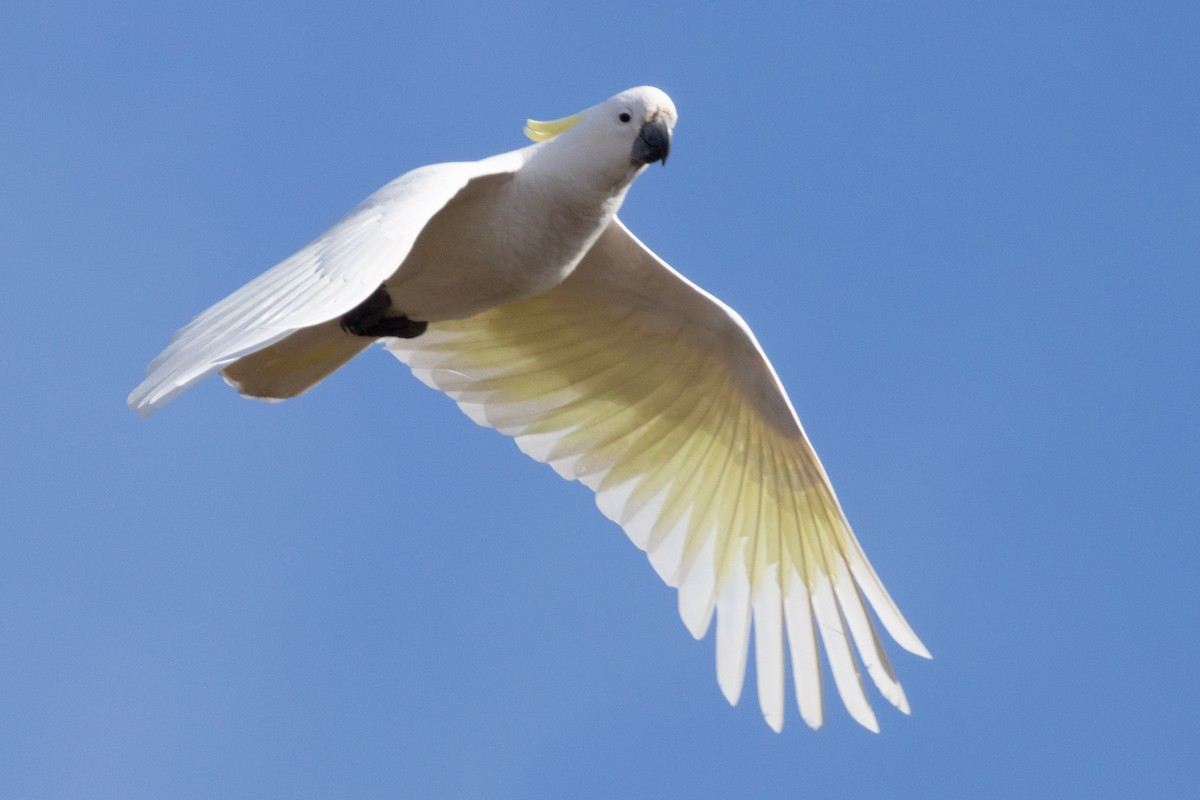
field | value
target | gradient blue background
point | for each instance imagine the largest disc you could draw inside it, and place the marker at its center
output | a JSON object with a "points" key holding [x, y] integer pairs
{"points": [[967, 234]]}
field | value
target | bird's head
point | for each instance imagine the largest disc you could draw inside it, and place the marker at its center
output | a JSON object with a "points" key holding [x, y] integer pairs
{"points": [[629, 130]]}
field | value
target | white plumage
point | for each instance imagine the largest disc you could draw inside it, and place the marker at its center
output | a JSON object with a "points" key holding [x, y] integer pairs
{"points": [[550, 322]]}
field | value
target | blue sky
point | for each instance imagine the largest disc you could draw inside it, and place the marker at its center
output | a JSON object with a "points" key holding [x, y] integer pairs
{"points": [[967, 234]]}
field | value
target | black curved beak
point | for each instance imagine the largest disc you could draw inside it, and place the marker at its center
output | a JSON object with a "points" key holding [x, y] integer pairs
{"points": [[653, 142]]}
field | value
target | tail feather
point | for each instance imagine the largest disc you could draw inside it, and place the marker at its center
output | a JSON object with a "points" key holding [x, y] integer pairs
{"points": [[295, 364]]}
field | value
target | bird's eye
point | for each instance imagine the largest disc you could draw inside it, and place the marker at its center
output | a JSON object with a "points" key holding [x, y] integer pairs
{"points": [[624, 116]]}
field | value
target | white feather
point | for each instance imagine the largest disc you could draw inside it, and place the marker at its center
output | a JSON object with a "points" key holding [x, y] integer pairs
{"points": [[768, 646], [841, 659], [865, 640], [696, 589], [733, 629], [802, 642]]}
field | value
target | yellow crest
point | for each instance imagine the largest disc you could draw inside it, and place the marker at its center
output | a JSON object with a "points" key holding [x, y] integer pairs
{"points": [[541, 131]]}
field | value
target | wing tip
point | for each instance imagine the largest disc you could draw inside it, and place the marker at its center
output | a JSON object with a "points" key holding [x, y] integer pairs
{"points": [[698, 618], [916, 647], [814, 721], [141, 410], [732, 689], [148, 398]]}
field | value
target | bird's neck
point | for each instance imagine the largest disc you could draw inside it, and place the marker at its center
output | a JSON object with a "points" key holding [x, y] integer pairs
{"points": [[581, 168]]}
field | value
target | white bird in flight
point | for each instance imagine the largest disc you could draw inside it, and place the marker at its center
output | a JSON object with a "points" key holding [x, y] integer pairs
{"points": [[510, 285]]}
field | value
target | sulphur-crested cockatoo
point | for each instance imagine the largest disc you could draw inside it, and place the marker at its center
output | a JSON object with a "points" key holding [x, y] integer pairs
{"points": [[510, 285]]}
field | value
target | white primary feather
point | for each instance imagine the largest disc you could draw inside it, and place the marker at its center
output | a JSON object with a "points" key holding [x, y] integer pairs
{"points": [[656, 395]]}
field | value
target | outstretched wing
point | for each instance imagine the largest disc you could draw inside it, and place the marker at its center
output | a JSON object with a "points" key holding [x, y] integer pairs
{"points": [[656, 395], [330, 276]]}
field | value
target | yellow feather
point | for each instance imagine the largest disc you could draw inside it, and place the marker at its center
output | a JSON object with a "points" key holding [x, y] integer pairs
{"points": [[650, 406], [540, 131]]}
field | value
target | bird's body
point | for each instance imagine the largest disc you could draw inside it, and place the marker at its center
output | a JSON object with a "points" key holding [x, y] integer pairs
{"points": [[513, 287], [477, 253]]}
